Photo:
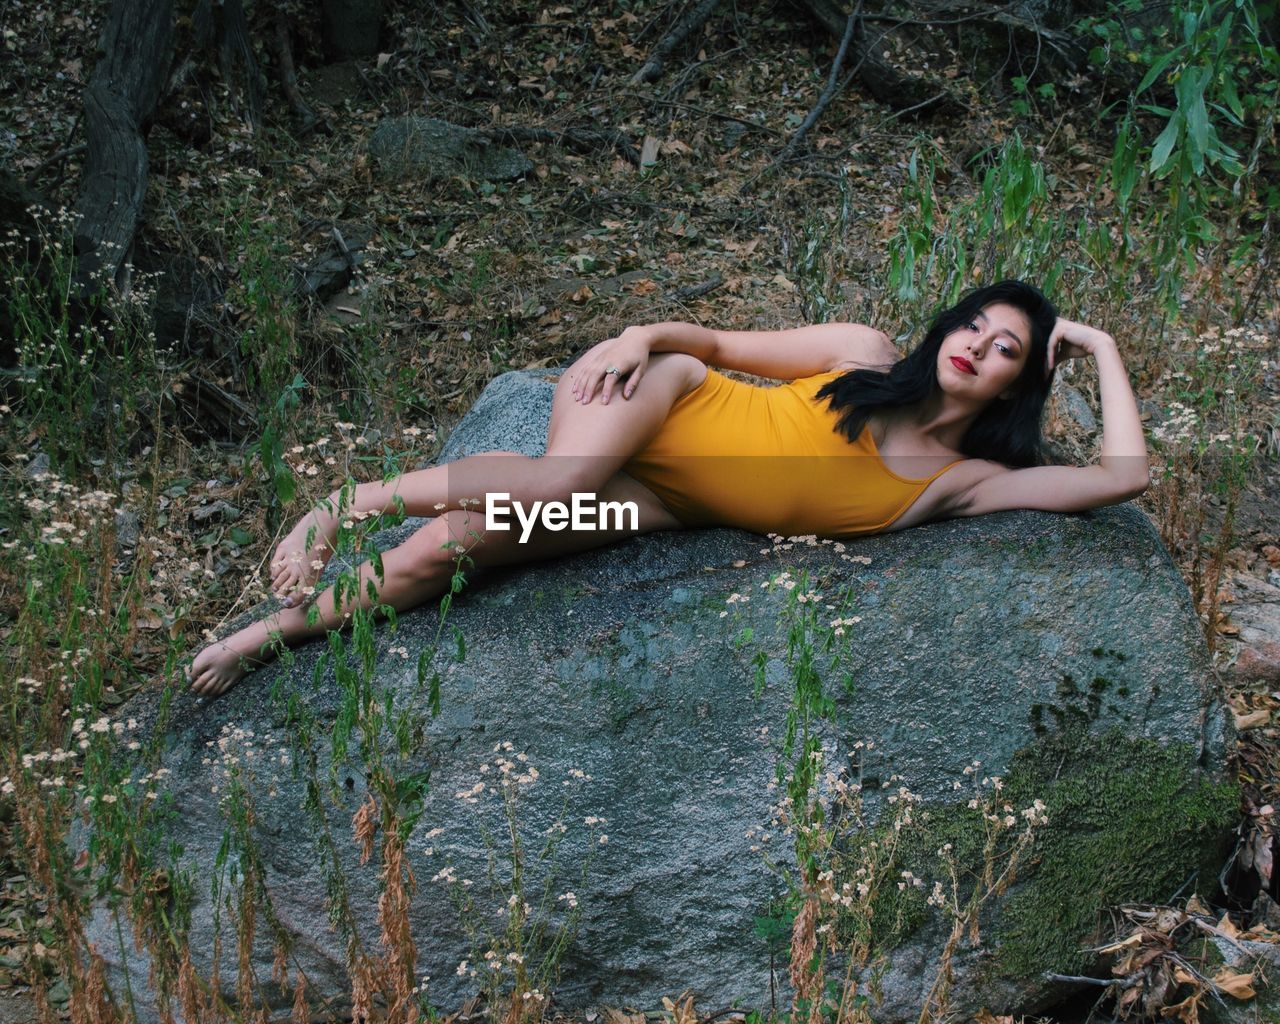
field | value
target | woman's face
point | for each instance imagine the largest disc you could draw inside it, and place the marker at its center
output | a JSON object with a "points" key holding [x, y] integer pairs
{"points": [[981, 360]]}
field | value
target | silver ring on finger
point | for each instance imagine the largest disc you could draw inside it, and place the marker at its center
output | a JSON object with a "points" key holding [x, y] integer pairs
{"points": [[613, 370]]}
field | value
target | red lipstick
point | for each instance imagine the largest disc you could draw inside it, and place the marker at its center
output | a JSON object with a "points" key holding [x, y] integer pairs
{"points": [[962, 364]]}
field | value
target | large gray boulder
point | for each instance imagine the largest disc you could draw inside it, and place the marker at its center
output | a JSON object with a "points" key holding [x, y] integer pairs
{"points": [[1060, 651]]}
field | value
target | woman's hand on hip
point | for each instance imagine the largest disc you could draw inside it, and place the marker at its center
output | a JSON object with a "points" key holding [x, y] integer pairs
{"points": [[1070, 340], [607, 364]]}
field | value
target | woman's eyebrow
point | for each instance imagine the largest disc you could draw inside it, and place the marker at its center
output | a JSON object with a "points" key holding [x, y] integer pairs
{"points": [[1004, 330]]}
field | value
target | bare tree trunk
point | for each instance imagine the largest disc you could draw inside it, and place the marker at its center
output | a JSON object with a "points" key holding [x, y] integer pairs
{"points": [[123, 90]]}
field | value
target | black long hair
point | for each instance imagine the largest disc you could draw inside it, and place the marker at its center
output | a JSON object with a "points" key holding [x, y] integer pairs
{"points": [[1007, 430]]}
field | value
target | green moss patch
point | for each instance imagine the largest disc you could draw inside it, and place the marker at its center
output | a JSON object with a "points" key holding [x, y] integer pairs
{"points": [[1130, 820]]}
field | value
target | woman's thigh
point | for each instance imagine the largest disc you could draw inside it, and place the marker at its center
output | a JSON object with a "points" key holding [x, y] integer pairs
{"points": [[620, 509], [616, 431]]}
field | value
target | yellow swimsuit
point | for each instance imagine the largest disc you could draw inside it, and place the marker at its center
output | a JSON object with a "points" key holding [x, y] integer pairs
{"points": [[769, 460]]}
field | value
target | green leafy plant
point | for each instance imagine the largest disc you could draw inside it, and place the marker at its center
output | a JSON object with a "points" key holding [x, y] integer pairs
{"points": [[1211, 81], [1004, 229]]}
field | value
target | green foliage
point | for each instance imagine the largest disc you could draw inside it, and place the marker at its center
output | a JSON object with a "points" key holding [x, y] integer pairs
{"points": [[1129, 821], [86, 369], [264, 295], [1081, 822], [1006, 229], [812, 656], [1026, 102], [271, 444], [1211, 82], [516, 962], [1222, 72], [816, 257]]}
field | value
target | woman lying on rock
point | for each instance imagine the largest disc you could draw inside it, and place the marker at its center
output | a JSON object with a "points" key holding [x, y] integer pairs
{"points": [[953, 429]]}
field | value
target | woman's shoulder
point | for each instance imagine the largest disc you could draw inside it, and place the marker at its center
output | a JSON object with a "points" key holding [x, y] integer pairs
{"points": [[873, 351]]}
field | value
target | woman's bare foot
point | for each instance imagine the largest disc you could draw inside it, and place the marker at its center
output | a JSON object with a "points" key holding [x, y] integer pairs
{"points": [[224, 663], [295, 566]]}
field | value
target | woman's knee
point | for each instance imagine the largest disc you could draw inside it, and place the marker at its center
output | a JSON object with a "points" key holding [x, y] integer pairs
{"points": [[680, 361]]}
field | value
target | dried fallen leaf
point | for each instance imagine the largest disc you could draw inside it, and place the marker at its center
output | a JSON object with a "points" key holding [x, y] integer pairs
{"points": [[1239, 986], [1133, 940], [1253, 719], [1127, 998], [1159, 986], [1261, 933], [1184, 977], [1187, 1011], [1262, 857]]}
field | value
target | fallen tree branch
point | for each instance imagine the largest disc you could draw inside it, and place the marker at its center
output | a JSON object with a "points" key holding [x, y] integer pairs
{"points": [[924, 104], [833, 86], [684, 28], [60, 155], [337, 267], [704, 112], [209, 404], [696, 291], [578, 138], [345, 250], [1069, 48], [903, 91], [1079, 980]]}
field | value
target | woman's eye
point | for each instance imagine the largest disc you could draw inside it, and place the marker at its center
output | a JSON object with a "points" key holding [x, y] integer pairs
{"points": [[972, 324]]}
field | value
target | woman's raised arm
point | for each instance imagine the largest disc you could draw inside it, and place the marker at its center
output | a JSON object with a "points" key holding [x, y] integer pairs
{"points": [[783, 355], [1121, 473]]}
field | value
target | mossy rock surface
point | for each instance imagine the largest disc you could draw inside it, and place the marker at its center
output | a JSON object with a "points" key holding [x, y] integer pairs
{"points": [[1131, 820]]}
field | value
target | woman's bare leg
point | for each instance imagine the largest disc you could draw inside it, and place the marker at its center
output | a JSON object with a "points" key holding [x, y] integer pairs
{"points": [[586, 446], [415, 572], [302, 555]]}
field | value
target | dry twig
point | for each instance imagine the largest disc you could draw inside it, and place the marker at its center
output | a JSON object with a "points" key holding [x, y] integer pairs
{"points": [[693, 21]]}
